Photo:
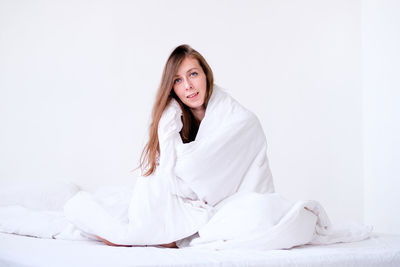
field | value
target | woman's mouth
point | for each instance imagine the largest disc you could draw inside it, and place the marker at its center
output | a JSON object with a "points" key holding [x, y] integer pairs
{"points": [[192, 96]]}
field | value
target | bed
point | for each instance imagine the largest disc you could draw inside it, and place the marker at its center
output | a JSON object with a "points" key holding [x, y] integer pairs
{"points": [[22, 251]]}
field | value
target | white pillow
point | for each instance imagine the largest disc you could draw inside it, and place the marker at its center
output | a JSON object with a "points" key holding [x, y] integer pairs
{"points": [[50, 195]]}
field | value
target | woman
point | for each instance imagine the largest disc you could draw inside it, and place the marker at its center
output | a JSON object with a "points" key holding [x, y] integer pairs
{"points": [[206, 178], [203, 148]]}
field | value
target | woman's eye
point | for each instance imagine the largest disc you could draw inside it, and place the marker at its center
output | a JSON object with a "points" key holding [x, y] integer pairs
{"points": [[193, 74], [177, 80]]}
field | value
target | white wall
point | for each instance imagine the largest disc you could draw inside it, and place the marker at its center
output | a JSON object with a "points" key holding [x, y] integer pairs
{"points": [[77, 81], [381, 42]]}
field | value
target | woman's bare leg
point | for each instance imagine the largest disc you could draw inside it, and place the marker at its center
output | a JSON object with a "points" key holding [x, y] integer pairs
{"points": [[111, 244], [170, 245]]}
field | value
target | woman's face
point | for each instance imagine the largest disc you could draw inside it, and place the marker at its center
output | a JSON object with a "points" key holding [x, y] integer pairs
{"points": [[190, 84]]}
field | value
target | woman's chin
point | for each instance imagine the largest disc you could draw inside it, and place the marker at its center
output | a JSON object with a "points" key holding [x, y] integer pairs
{"points": [[199, 106]]}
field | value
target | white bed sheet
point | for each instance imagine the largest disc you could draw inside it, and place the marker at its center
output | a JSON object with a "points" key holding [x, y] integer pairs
{"points": [[379, 250]]}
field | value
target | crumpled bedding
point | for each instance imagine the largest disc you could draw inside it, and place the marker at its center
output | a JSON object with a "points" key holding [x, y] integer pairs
{"points": [[216, 192]]}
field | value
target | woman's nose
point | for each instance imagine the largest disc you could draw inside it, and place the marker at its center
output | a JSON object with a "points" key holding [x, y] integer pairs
{"points": [[188, 84]]}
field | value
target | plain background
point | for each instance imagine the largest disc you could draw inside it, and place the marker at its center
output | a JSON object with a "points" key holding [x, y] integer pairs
{"points": [[78, 80]]}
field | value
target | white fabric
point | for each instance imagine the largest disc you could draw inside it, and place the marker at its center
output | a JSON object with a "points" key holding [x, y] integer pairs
{"points": [[272, 222], [22, 221], [34, 208], [19, 251], [215, 192]]}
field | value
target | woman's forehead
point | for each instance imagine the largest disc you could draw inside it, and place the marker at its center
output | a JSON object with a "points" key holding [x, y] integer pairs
{"points": [[187, 65]]}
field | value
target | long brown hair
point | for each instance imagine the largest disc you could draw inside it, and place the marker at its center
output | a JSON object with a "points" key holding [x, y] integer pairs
{"points": [[165, 93]]}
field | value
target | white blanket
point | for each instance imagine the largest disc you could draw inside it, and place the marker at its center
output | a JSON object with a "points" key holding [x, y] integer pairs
{"points": [[215, 192]]}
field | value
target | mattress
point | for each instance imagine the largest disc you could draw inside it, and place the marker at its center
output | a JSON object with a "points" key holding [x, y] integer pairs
{"points": [[379, 250]]}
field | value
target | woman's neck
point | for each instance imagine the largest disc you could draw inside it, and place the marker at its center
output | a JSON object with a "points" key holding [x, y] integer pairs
{"points": [[199, 113]]}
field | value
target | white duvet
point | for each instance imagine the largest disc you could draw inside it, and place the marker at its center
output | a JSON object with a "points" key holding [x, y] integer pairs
{"points": [[216, 192]]}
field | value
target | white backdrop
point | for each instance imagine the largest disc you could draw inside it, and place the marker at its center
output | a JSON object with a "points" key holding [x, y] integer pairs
{"points": [[381, 42], [78, 78]]}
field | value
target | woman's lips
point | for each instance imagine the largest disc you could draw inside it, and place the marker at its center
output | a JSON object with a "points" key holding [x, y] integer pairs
{"points": [[193, 96]]}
